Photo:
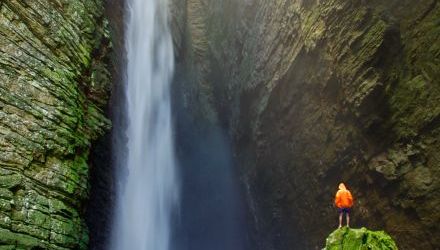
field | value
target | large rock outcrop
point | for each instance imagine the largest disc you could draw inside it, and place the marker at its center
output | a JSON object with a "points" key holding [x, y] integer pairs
{"points": [[318, 92], [54, 84]]}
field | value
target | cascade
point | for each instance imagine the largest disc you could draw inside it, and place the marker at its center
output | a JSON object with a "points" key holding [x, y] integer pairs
{"points": [[148, 189]]}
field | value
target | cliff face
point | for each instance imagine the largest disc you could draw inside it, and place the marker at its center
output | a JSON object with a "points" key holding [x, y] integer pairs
{"points": [[318, 92], [54, 84]]}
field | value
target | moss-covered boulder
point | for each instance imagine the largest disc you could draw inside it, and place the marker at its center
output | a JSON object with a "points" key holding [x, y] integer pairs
{"points": [[359, 239]]}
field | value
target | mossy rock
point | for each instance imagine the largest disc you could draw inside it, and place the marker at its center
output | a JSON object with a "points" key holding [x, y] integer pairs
{"points": [[362, 239], [54, 85]]}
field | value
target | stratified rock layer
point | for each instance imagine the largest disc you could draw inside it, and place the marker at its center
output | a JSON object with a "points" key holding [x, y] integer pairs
{"points": [[53, 85], [318, 92], [359, 239]]}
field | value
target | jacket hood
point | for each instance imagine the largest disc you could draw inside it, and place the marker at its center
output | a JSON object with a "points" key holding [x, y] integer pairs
{"points": [[342, 186]]}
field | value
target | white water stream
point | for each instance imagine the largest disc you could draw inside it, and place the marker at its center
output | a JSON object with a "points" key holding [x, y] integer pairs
{"points": [[149, 192]]}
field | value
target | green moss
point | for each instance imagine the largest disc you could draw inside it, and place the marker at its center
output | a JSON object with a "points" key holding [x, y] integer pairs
{"points": [[9, 181], [29, 229], [10, 247], [359, 239], [20, 240], [54, 85], [414, 104]]}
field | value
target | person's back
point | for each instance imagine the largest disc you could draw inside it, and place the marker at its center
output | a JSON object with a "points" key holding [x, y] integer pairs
{"points": [[343, 199], [344, 202]]}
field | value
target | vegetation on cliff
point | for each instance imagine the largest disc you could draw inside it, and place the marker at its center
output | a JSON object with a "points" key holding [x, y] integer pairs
{"points": [[53, 85]]}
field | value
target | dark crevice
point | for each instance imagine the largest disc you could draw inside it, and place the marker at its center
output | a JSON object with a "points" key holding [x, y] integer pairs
{"points": [[102, 197]]}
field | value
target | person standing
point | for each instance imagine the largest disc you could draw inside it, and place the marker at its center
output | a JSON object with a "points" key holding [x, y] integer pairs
{"points": [[344, 202]]}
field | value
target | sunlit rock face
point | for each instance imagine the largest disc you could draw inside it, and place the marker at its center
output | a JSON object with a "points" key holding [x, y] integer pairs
{"points": [[318, 92], [54, 84]]}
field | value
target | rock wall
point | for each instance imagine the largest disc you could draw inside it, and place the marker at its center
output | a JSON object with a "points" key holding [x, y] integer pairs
{"points": [[54, 83], [318, 92]]}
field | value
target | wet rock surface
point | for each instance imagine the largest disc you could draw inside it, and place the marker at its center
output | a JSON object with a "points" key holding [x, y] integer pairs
{"points": [[54, 83], [318, 92]]}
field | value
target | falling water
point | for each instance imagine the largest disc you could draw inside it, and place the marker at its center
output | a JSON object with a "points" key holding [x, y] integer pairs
{"points": [[148, 192]]}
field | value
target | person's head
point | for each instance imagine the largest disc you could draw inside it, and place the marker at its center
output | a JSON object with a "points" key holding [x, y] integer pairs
{"points": [[342, 186]]}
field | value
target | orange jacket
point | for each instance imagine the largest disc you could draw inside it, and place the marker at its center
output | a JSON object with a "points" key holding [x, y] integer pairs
{"points": [[343, 198]]}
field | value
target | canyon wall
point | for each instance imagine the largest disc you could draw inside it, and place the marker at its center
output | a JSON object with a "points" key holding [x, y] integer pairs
{"points": [[314, 93], [311, 92], [54, 85]]}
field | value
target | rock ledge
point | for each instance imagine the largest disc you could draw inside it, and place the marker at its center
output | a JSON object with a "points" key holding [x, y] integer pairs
{"points": [[347, 238]]}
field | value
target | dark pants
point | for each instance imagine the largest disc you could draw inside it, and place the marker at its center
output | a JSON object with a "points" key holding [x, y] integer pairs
{"points": [[345, 210]]}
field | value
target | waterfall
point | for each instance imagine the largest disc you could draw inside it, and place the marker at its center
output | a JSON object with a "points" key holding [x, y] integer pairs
{"points": [[148, 191]]}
